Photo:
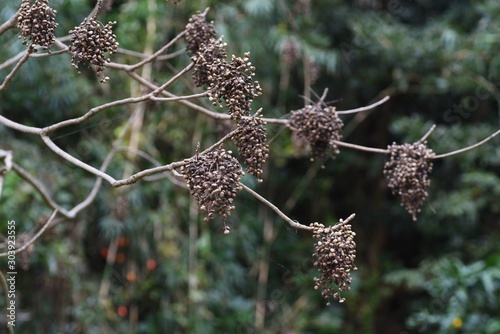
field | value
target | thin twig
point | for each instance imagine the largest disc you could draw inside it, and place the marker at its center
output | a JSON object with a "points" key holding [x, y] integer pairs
{"points": [[137, 176], [94, 111], [220, 141], [13, 60], [132, 53], [368, 107], [18, 126], [89, 199], [133, 178], [6, 156], [439, 156], [157, 53], [361, 148], [43, 229], [50, 144], [171, 55], [195, 107], [427, 134], [273, 207], [172, 80], [95, 10], [177, 98], [16, 68], [191, 105], [323, 96], [340, 112], [306, 69], [220, 116], [9, 24], [49, 54], [155, 162], [39, 187], [148, 59], [108, 105], [93, 193], [59, 42], [345, 221]]}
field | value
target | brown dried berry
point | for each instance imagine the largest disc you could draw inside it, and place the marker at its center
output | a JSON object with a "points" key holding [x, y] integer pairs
{"points": [[232, 82], [251, 142], [335, 252], [408, 174], [199, 32], [36, 23], [90, 41], [290, 51], [205, 57], [320, 127], [213, 179]]}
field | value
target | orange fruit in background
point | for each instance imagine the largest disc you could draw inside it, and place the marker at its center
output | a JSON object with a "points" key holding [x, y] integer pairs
{"points": [[120, 258], [104, 251], [151, 264], [122, 311], [131, 276], [122, 242]]}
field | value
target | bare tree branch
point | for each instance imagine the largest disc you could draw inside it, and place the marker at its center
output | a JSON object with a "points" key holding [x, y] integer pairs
{"points": [[191, 105], [16, 68], [136, 177], [13, 60], [465, 149], [152, 178], [109, 157], [427, 134], [32, 240], [291, 222], [7, 161], [49, 54], [157, 53], [93, 112], [50, 144], [177, 98], [9, 24], [18, 126], [361, 148], [142, 55], [39, 188], [368, 107]]}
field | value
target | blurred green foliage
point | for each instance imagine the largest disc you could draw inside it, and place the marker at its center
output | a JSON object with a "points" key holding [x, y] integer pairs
{"points": [[439, 62]]}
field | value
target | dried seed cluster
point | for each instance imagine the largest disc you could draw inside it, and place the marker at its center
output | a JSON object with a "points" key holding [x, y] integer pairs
{"points": [[335, 252], [36, 23], [90, 40], [198, 33], [408, 172], [212, 52], [120, 209], [232, 82], [251, 143], [289, 52], [24, 255], [213, 179], [321, 127]]}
